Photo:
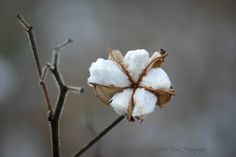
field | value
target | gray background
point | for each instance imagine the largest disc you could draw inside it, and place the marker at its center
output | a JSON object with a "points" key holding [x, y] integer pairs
{"points": [[200, 37]]}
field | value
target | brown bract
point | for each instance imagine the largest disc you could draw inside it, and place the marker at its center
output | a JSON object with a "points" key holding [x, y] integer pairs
{"points": [[105, 93]]}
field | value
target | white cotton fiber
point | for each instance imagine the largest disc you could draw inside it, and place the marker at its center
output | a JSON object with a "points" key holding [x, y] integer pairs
{"points": [[145, 103], [107, 72], [120, 101], [157, 79], [136, 61]]}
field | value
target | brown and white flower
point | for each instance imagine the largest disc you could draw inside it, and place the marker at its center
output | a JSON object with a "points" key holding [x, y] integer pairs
{"points": [[132, 84]]}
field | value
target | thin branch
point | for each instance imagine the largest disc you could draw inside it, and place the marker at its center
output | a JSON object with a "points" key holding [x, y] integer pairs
{"points": [[30, 34], [73, 89], [60, 82], [63, 89], [90, 125], [54, 115], [100, 135], [44, 73]]}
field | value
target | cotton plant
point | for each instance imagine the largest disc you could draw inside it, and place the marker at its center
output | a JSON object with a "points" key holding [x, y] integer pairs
{"points": [[132, 84]]}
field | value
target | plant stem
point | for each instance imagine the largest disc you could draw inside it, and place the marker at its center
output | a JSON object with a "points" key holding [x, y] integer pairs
{"points": [[100, 135], [30, 34], [54, 115], [55, 138]]}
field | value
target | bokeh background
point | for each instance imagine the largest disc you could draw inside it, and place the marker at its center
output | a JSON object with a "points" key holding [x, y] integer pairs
{"points": [[200, 37]]}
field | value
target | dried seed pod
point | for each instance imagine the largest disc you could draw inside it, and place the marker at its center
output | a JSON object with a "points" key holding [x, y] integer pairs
{"points": [[132, 84]]}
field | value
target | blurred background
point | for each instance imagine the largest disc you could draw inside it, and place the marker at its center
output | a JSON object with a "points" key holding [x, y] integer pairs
{"points": [[200, 37]]}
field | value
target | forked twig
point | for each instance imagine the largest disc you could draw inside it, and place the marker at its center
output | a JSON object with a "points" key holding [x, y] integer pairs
{"points": [[54, 114]]}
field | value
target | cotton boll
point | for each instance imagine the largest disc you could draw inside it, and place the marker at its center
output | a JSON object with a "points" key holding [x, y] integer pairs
{"points": [[107, 72], [136, 61], [157, 79], [120, 101], [145, 103]]}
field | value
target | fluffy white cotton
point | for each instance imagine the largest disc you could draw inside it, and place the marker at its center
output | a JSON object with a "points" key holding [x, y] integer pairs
{"points": [[136, 61], [145, 103], [120, 101], [157, 79], [107, 72]]}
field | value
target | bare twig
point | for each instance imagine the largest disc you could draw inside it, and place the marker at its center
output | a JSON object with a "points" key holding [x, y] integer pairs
{"points": [[29, 31], [54, 115], [54, 119], [44, 73], [100, 135], [63, 89], [54, 68]]}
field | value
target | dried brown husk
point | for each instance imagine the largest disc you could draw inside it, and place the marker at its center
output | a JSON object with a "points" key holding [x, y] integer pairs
{"points": [[163, 95], [131, 107], [116, 56], [156, 59], [105, 93]]}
